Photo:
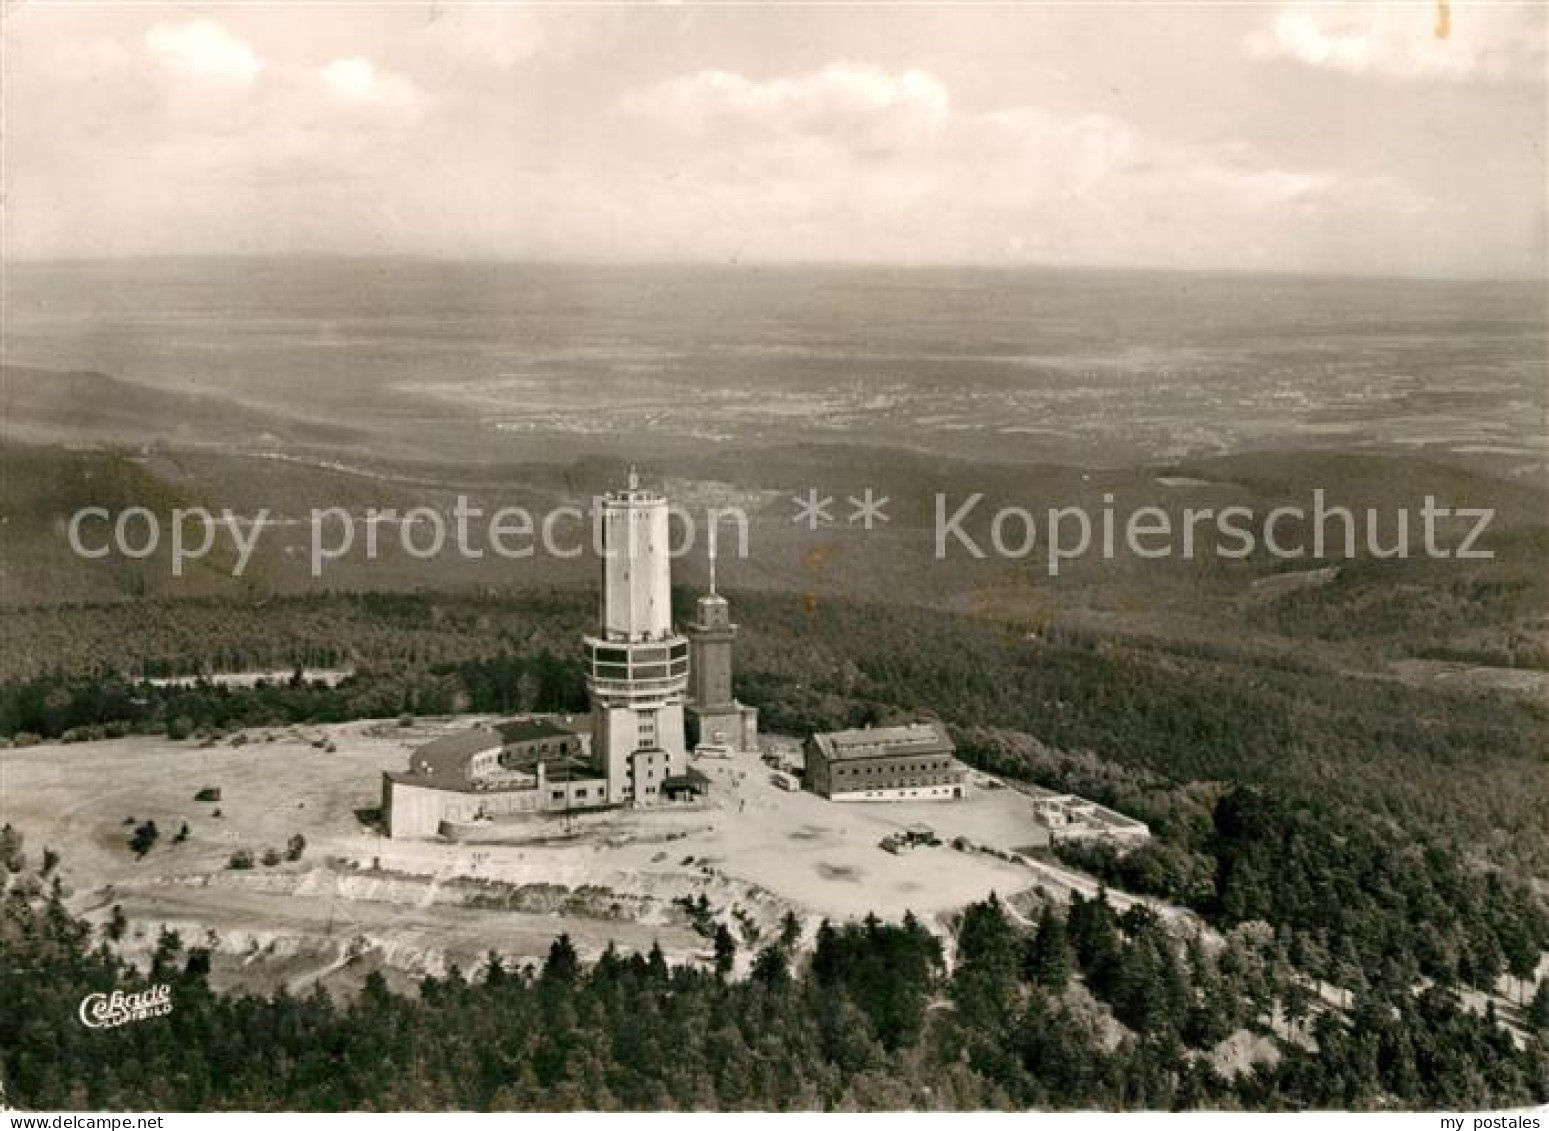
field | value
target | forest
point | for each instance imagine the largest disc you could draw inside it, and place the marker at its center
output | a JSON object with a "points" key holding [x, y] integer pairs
{"points": [[1149, 724], [1354, 840], [870, 1020]]}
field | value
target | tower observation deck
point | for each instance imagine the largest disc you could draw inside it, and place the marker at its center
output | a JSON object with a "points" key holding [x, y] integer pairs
{"points": [[637, 666]]}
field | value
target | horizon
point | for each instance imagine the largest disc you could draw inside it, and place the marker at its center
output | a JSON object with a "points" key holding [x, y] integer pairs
{"points": [[1540, 280]]}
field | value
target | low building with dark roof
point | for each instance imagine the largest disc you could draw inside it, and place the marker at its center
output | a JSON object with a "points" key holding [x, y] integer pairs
{"points": [[916, 761], [689, 785], [519, 766]]}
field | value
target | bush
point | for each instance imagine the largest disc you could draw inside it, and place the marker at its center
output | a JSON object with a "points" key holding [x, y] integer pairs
{"points": [[144, 838], [295, 846], [11, 855], [241, 860], [271, 857]]}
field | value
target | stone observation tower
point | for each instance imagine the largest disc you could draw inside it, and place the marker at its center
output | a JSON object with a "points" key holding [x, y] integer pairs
{"points": [[717, 718], [637, 666]]}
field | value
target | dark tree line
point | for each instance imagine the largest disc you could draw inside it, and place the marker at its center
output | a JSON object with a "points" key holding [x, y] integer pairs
{"points": [[870, 1020], [1359, 903], [77, 707]]}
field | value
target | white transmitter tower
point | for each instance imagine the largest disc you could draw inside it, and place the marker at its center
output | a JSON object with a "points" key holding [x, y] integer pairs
{"points": [[637, 666]]}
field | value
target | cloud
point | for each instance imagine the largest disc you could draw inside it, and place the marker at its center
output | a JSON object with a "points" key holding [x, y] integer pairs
{"points": [[1407, 41], [203, 49], [356, 80], [859, 104], [786, 168], [461, 130]]}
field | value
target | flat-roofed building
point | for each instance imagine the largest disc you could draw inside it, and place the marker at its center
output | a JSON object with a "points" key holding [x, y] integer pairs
{"points": [[522, 766], [1069, 817], [916, 761]]}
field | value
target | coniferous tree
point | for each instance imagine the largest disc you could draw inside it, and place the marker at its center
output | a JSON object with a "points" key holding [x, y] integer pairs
{"points": [[563, 964], [1048, 952], [1538, 1009], [725, 950]]}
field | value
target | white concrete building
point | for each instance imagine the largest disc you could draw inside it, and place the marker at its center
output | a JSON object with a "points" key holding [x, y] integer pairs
{"points": [[489, 771], [637, 665], [1069, 817], [637, 674]]}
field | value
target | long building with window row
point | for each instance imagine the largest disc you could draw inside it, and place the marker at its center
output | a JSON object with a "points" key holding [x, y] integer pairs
{"points": [[917, 761]]}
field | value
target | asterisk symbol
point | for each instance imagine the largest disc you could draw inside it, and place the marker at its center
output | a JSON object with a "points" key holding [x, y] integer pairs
{"points": [[868, 508], [813, 509]]}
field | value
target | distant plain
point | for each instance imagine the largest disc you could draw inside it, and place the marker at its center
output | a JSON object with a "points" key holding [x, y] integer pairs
{"points": [[296, 384]]}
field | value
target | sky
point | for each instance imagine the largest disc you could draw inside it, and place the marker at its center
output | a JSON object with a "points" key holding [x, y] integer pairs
{"points": [[1391, 138]]}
